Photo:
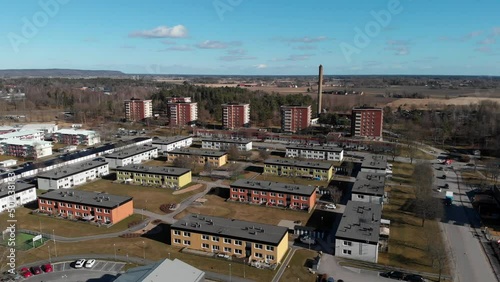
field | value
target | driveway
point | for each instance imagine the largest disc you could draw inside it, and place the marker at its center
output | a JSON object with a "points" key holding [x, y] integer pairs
{"points": [[102, 271]]}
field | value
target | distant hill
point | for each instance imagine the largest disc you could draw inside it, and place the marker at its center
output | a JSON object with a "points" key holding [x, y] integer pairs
{"points": [[59, 73]]}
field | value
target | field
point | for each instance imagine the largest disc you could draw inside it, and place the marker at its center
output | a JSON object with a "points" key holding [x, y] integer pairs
{"points": [[402, 173], [299, 265], [24, 241], [62, 227], [217, 206], [436, 102], [147, 198]]}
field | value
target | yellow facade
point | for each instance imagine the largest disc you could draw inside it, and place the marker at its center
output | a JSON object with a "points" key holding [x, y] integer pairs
{"points": [[230, 246], [287, 170], [200, 160], [145, 178]]}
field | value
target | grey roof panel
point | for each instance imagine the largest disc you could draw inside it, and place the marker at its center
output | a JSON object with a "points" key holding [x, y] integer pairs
{"points": [[369, 183], [306, 164], [277, 187], [360, 222], [65, 171], [162, 170], [86, 198]]}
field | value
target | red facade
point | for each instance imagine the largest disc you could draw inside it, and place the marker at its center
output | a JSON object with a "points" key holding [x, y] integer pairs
{"points": [[367, 122], [270, 198]]}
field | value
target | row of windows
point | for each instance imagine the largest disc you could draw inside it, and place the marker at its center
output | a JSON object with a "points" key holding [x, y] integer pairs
{"points": [[273, 201], [147, 175], [76, 207], [216, 248], [69, 212], [225, 240]]}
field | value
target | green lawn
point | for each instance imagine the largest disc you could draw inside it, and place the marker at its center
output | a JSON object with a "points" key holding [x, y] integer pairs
{"points": [[24, 241], [299, 264], [148, 198], [62, 227]]}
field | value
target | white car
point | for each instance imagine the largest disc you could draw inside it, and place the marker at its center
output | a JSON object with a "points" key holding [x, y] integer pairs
{"points": [[79, 263], [330, 206], [90, 263]]}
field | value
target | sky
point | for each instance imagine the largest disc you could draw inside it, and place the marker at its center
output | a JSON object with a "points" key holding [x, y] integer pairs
{"points": [[253, 37]]}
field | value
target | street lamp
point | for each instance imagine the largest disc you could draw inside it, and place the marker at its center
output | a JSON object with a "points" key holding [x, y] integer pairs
{"points": [[50, 259], [114, 247], [144, 248], [54, 239], [169, 256], [230, 277]]}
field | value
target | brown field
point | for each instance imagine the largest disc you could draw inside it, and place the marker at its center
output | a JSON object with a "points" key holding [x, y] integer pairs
{"points": [[436, 102]]}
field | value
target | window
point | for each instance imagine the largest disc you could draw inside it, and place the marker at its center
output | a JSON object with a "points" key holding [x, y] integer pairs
{"points": [[215, 248], [361, 196], [187, 234], [295, 197], [304, 198], [258, 246], [280, 195], [98, 210], [177, 241], [263, 193], [347, 243], [215, 238], [235, 196], [62, 205], [187, 242], [177, 232], [106, 211], [242, 190], [227, 241], [346, 252], [227, 250], [205, 237], [272, 194], [269, 257], [42, 201], [70, 205], [238, 251], [234, 189], [258, 255], [205, 246], [42, 208], [238, 243], [269, 248]]}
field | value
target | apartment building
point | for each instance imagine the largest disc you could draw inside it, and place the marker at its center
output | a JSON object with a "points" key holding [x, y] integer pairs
{"points": [[269, 193], [33, 135], [16, 194], [171, 177], [225, 144], [358, 234], [179, 100], [235, 115], [295, 118], [131, 155], [296, 168], [46, 128], [374, 164], [168, 144], [89, 206], [27, 148], [367, 122], [327, 153], [72, 175], [76, 137], [181, 113], [199, 156], [7, 129], [241, 239], [369, 188], [137, 109]]}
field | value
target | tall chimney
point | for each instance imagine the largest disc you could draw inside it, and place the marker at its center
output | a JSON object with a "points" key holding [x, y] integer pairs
{"points": [[320, 88]]}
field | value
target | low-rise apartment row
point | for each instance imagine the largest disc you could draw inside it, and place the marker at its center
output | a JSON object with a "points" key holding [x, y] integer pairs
{"points": [[168, 144], [73, 175], [16, 194], [76, 137], [226, 144], [327, 153], [170, 177], [295, 168], [132, 155], [199, 156]]}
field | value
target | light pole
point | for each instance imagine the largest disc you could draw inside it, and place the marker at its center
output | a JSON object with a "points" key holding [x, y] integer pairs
{"points": [[114, 247], [144, 248], [50, 259], [169, 256], [40, 221], [244, 263], [230, 277], [54, 239]]}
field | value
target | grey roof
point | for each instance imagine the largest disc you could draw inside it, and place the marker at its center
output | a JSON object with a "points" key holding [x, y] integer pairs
{"points": [[369, 184], [224, 140], [20, 186], [360, 222], [175, 270], [69, 170], [129, 152], [86, 198], [317, 148], [277, 187], [375, 162], [163, 170], [199, 152], [306, 164], [232, 228], [169, 140]]}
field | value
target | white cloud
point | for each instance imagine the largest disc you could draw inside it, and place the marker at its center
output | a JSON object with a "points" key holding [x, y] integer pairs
{"points": [[261, 66], [236, 52], [400, 47], [302, 57], [177, 31], [177, 48], [305, 47], [487, 41], [305, 39], [215, 44], [233, 58]]}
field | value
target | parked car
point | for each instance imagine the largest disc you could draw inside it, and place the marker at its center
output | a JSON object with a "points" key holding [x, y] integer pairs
{"points": [[79, 263], [90, 263], [36, 270], [414, 278], [47, 267], [25, 272], [398, 275], [308, 240], [330, 206]]}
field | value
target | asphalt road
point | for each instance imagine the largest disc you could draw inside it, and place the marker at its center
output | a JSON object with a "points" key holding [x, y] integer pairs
{"points": [[102, 271]]}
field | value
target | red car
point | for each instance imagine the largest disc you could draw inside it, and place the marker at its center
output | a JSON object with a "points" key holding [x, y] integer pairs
{"points": [[36, 270], [25, 272], [47, 267]]}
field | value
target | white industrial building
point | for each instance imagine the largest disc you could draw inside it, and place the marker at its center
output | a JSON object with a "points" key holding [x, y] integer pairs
{"points": [[358, 234], [73, 175], [27, 148], [16, 194], [132, 155], [23, 135], [168, 144], [369, 188], [46, 128], [76, 137], [225, 144], [328, 153]]}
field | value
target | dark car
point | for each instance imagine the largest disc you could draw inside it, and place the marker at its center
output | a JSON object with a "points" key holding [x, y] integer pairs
{"points": [[36, 270], [393, 275], [414, 278], [446, 186]]}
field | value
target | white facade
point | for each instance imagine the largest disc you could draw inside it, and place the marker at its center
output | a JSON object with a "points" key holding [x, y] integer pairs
{"points": [[77, 137], [356, 250], [319, 153], [47, 128], [72, 176], [25, 148], [169, 144], [360, 197], [126, 157], [21, 197], [8, 163], [23, 135], [226, 144]]}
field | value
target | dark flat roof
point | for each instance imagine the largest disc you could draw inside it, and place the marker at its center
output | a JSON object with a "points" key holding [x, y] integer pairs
{"points": [[169, 140], [224, 140], [374, 162], [236, 229], [306, 164], [86, 198], [163, 170], [129, 152], [360, 222], [199, 152], [20, 186], [369, 184], [277, 187], [73, 169], [316, 148]]}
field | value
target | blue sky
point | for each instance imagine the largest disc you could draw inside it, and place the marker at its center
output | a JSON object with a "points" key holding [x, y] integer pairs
{"points": [[283, 37]]}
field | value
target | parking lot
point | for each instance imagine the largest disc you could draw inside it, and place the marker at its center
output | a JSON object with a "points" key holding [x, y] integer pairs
{"points": [[102, 271]]}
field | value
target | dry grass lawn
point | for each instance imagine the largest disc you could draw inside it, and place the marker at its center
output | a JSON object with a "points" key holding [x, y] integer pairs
{"points": [[404, 152], [62, 227], [402, 172], [217, 206], [298, 269], [5, 157], [147, 198]]}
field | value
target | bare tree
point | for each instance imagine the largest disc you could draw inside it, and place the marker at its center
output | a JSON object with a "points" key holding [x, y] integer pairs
{"points": [[184, 162], [438, 254], [263, 154], [233, 153], [425, 206]]}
